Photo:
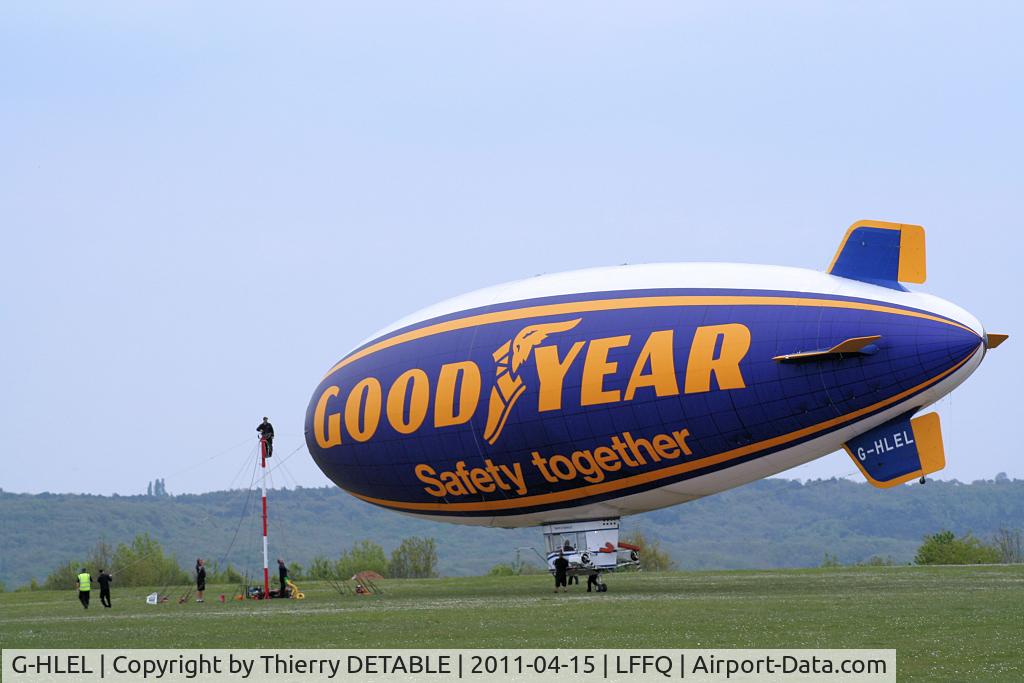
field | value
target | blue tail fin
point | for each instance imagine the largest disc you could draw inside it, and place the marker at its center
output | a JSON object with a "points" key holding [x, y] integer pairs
{"points": [[899, 450], [881, 253]]}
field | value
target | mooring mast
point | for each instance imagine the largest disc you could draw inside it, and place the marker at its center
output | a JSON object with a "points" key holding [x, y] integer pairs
{"points": [[263, 484]]}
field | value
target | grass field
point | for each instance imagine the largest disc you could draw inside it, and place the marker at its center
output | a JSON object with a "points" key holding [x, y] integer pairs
{"points": [[946, 623]]}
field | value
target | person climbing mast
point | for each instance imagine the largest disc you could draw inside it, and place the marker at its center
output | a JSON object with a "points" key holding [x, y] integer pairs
{"points": [[266, 431]]}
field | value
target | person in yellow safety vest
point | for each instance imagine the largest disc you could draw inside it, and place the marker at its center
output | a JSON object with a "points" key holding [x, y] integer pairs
{"points": [[84, 586]]}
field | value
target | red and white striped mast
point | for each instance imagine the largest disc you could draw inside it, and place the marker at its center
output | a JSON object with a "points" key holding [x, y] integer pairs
{"points": [[263, 484]]}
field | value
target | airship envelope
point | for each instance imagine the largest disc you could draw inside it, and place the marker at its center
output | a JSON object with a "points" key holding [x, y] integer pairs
{"points": [[605, 392]]}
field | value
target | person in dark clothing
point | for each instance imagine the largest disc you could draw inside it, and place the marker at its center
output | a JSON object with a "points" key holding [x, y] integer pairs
{"points": [[104, 580], [84, 584], [282, 575], [561, 567], [200, 579], [592, 583], [266, 431]]}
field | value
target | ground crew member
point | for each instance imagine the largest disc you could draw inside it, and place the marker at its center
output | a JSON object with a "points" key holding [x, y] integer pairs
{"points": [[266, 431], [561, 566], [282, 575], [104, 580], [84, 586], [200, 579]]}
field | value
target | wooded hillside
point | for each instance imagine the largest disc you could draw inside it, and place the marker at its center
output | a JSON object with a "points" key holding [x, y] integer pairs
{"points": [[770, 523]]}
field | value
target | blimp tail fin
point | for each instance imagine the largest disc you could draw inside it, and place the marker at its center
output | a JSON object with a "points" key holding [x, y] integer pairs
{"points": [[899, 450], [881, 253]]}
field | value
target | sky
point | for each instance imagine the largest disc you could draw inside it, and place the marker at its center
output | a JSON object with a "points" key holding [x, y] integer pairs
{"points": [[203, 206]]}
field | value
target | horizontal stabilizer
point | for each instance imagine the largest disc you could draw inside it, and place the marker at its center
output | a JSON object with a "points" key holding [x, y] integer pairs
{"points": [[862, 346], [899, 450], [994, 340], [881, 253]]}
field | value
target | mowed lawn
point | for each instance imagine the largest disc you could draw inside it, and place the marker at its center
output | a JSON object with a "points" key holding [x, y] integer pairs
{"points": [[946, 623]]}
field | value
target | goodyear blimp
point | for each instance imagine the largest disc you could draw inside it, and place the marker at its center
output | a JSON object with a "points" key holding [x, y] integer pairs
{"points": [[573, 399]]}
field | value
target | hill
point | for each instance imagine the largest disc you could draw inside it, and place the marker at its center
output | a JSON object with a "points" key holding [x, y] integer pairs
{"points": [[770, 523]]}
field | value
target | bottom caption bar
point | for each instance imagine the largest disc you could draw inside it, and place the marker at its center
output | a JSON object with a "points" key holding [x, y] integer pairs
{"points": [[70, 666]]}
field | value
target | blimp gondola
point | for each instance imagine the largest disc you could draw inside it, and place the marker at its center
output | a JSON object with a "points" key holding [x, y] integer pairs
{"points": [[571, 400]]}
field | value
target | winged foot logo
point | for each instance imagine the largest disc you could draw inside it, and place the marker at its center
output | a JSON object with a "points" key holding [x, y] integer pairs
{"points": [[508, 384]]}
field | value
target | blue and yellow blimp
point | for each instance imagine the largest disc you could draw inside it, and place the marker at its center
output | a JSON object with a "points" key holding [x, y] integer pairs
{"points": [[601, 393]]}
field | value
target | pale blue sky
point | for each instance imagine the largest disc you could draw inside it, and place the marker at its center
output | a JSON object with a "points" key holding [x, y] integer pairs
{"points": [[204, 205]]}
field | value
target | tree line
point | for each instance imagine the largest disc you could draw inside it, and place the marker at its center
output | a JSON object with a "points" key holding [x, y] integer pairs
{"points": [[943, 548], [139, 563], [414, 558], [143, 562]]}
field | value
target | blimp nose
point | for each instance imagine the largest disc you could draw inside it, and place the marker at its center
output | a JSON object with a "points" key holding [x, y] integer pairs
{"points": [[990, 340], [962, 318], [957, 343]]}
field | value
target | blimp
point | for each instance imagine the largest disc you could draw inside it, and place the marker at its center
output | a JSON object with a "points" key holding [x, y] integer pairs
{"points": [[570, 400]]}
